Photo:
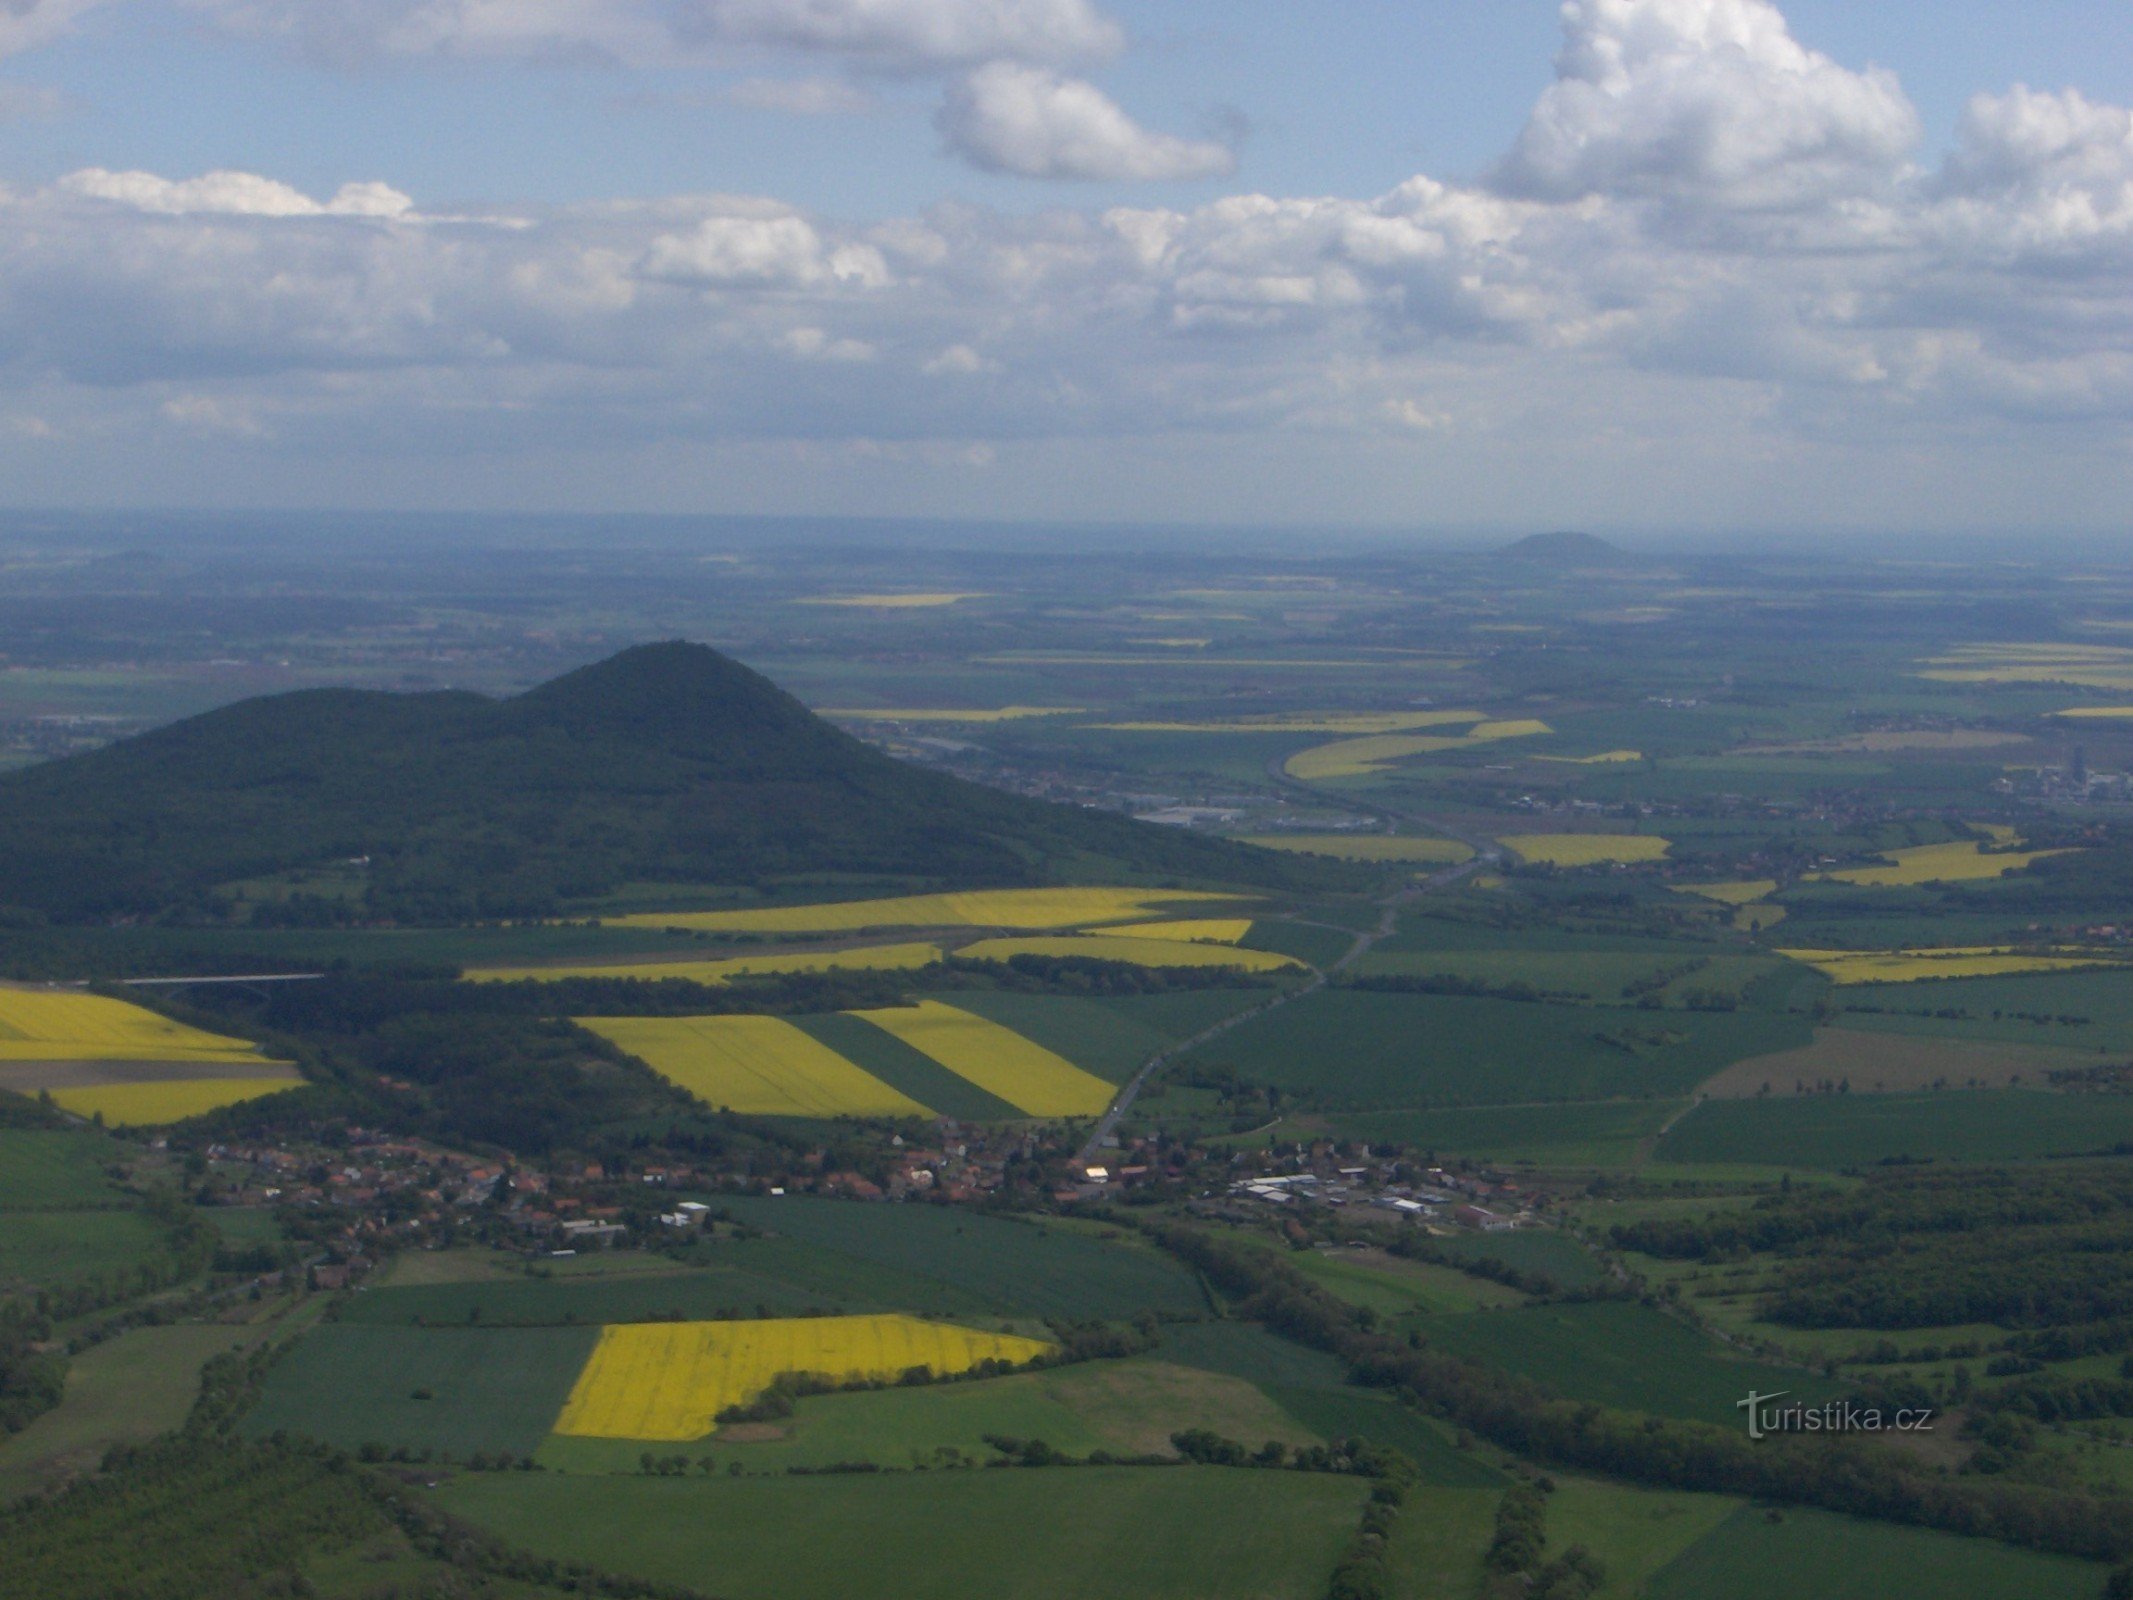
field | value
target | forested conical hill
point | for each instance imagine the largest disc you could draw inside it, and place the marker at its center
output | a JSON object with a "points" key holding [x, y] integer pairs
{"points": [[666, 763]]}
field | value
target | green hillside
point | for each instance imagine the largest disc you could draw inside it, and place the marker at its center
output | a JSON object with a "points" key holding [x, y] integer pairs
{"points": [[666, 763]]}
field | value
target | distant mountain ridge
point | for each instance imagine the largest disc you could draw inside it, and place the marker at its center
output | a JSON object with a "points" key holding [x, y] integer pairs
{"points": [[665, 763], [1567, 549]]}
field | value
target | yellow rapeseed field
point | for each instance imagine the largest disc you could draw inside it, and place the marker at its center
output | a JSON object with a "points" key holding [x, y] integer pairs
{"points": [[670, 1380], [938, 714], [1198, 930], [1960, 861], [1367, 847], [861, 958], [896, 602], [1732, 894], [1605, 758], [2110, 713], [975, 908], [65, 1025], [1953, 961], [1357, 722], [2090, 666], [760, 1065], [1353, 758], [998, 1060], [131, 1105], [1585, 849], [1140, 952]]}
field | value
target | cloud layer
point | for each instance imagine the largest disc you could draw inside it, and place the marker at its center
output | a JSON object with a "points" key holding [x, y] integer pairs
{"points": [[1707, 238]]}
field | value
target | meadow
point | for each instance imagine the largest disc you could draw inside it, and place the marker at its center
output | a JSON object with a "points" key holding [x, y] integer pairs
{"points": [[55, 1247], [53, 1168], [1855, 1130], [671, 1380], [1415, 1050], [1183, 1533], [1029, 1077], [762, 1066], [1037, 909], [1620, 1353]]}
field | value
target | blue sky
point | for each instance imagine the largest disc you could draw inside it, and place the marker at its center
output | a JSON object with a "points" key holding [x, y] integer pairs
{"points": [[1627, 263]]}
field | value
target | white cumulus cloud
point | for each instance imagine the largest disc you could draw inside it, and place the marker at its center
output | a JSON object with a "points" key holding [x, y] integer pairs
{"points": [[1033, 122]]}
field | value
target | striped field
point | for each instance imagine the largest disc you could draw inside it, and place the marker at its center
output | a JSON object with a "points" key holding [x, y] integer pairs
{"points": [[977, 908], [1954, 961], [670, 1380], [996, 1059], [761, 1066], [1368, 847], [862, 958]]}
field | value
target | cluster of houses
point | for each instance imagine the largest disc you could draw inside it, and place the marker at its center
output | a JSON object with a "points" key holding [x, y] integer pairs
{"points": [[1438, 1199]]}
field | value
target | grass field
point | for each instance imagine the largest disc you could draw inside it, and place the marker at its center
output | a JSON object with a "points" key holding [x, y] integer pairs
{"points": [[670, 1380], [123, 1391], [1954, 961], [39, 1168], [1191, 1533], [1636, 1532], [1001, 1062], [457, 1389], [763, 1066], [1620, 1353], [1316, 944], [1246, 1350], [1395, 1287], [1752, 1557], [1368, 847], [1414, 1050], [1139, 952], [1011, 1267], [131, 1105], [1555, 1255], [61, 1025], [1852, 1130], [978, 908], [1876, 1063], [860, 958], [1584, 849], [746, 1278], [1961, 861], [1358, 1414]]}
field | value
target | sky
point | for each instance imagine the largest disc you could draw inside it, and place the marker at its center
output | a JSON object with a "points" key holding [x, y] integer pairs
{"points": [[1686, 266]]}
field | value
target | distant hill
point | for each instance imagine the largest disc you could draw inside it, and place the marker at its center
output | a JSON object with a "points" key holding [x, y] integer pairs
{"points": [[1567, 550], [668, 763]]}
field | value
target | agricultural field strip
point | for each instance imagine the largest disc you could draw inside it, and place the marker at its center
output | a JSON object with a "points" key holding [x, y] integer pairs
{"points": [[62, 1025], [1354, 758], [1357, 722], [1034, 909], [132, 1105], [1585, 849], [670, 1381], [996, 1059], [858, 958], [1959, 861], [1954, 961], [1368, 847], [761, 1066], [1138, 952]]}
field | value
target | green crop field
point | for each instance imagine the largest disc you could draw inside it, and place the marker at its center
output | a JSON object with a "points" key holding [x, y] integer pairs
{"points": [[455, 1389], [696, 1296], [1320, 946], [1397, 1288], [1423, 1049], [1636, 1532], [1192, 1533], [1095, 1037], [1755, 1556], [2092, 1010], [1438, 1544], [1246, 1350], [1599, 1133], [904, 1069], [1017, 1268], [1851, 1130], [1619, 1353], [1555, 1256], [1181, 1013], [56, 1169], [55, 1246]]}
